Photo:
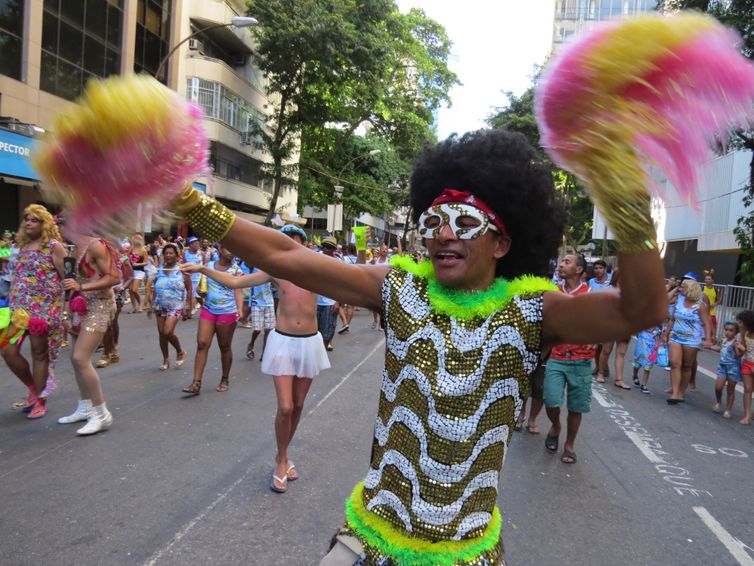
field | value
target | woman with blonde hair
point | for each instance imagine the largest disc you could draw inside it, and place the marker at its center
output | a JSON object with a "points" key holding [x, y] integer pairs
{"points": [[36, 296], [139, 257], [688, 331]]}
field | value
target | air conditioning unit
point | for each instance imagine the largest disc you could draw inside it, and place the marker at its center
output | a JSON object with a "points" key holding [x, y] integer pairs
{"points": [[196, 44], [246, 138], [239, 61]]}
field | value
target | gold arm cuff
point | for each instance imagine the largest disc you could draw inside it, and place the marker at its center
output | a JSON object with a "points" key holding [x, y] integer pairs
{"points": [[206, 216]]}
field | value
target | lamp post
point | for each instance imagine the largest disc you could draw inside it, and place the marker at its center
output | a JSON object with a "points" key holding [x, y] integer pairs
{"points": [[339, 188], [236, 22]]}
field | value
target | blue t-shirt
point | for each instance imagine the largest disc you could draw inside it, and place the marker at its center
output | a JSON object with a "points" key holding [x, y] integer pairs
{"points": [[261, 295], [221, 299], [597, 286]]}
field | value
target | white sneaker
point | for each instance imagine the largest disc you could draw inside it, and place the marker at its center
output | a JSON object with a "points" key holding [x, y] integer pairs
{"points": [[82, 413], [97, 423]]}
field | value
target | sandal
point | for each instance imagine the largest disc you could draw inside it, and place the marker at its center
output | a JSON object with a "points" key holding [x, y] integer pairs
{"points": [[180, 358], [551, 444], [250, 352], [532, 429], [38, 411], [568, 457], [194, 389], [622, 385], [103, 362], [291, 472], [114, 357], [224, 385], [165, 365], [282, 481]]}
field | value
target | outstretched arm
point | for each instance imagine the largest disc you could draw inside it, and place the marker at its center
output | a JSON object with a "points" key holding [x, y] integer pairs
{"points": [[280, 256], [228, 279], [609, 315]]}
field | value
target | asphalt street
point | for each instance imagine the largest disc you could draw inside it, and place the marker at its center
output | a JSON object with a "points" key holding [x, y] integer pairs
{"points": [[181, 480]]}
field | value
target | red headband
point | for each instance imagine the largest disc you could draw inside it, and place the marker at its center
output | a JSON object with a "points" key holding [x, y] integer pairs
{"points": [[452, 195]]}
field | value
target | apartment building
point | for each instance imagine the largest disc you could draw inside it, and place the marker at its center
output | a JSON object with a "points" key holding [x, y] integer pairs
{"points": [[575, 16], [53, 47]]}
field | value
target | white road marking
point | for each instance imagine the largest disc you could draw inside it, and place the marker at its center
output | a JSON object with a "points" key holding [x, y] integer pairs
{"points": [[350, 373], [180, 535], [713, 375], [734, 546], [641, 445], [601, 400]]}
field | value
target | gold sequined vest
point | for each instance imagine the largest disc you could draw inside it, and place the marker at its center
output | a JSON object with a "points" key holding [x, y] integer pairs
{"points": [[451, 392]]}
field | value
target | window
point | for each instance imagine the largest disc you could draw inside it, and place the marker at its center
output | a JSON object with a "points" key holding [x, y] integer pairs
{"points": [[80, 40], [224, 105], [152, 37], [230, 164], [11, 37]]}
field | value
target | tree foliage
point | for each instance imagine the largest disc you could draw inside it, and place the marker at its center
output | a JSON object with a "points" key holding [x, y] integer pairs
{"points": [[346, 62], [518, 116]]}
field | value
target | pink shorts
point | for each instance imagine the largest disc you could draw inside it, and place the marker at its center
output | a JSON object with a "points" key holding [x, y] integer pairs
{"points": [[230, 318], [747, 367]]}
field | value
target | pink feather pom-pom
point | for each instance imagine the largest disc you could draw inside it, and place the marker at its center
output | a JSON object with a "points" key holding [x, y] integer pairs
{"points": [[128, 143], [38, 327], [663, 89], [78, 304]]}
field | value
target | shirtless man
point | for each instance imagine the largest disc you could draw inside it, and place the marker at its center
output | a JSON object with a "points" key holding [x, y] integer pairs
{"points": [[294, 353]]}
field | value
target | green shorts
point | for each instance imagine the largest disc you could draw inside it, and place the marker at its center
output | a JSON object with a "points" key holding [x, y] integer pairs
{"points": [[574, 374]]}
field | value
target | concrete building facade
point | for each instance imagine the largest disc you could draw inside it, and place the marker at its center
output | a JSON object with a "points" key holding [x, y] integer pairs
{"points": [[53, 47]]}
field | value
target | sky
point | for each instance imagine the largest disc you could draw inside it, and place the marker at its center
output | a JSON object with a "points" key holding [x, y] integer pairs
{"points": [[496, 44]]}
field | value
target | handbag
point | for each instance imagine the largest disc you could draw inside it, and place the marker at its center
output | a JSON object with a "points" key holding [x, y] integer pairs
{"points": [[662, 356]]}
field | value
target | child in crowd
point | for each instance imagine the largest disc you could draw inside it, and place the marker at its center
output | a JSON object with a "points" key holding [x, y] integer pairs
{"points": [[645, 355], [729, 368], [745, 321]]}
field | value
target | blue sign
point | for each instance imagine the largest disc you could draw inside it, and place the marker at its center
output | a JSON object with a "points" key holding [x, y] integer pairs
{"points": [[15, 155]]}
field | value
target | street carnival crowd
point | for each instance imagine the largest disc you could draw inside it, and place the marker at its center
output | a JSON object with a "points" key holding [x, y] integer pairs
{"points": [[473, 328], [168, 275]]}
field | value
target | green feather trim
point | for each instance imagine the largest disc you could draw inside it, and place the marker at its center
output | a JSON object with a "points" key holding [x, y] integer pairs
{"points": [[408, 550], [467, 305]]}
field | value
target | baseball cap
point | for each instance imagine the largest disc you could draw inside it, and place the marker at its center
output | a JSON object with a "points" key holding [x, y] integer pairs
{"points": [[193, 239], [691, 275], [330, 241]]}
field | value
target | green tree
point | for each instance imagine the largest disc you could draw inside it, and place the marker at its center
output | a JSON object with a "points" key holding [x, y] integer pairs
{"points": [[345, 62], [518, 116]]}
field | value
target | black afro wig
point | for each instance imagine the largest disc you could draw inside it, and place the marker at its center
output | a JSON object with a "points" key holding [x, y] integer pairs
{"points": [[503, 170]]}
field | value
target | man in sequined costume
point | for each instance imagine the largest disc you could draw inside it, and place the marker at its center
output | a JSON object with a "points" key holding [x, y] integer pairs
{"points": [[463, 332]]}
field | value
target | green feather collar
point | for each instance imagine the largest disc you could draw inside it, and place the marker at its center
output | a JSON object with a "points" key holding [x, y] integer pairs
{"points": [[467, 305]]}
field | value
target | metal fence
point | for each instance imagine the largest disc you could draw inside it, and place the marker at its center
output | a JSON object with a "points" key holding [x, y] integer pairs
{"points": [[733, 299]]}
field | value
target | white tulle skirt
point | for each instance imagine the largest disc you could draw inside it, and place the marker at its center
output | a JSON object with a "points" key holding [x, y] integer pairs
{"points": [[302, 356]]}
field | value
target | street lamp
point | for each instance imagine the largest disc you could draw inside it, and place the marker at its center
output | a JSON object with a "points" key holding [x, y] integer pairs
{"points": [[236, 22]]}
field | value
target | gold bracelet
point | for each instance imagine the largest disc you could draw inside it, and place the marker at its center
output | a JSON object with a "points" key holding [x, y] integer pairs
{"points": [[206, 216]]}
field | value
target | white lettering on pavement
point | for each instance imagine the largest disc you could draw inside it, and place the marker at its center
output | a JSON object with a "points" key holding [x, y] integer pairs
{"points": [[665, 465]]}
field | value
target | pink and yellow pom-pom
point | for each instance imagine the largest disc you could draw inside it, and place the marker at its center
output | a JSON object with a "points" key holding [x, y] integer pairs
{"points": [[127, 141], [649, 90]]}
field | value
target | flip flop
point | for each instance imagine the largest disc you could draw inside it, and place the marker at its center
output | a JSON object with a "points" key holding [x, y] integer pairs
{"points": [[532, 429], [568, 457], [551, 444], [622, 385], [282, 481], [291, 476], [517, 427]]}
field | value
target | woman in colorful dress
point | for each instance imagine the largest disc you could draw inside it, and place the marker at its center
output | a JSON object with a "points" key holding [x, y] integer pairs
{"points": [[92, 308], [689, 331], [170, 296], [36, 289]]}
